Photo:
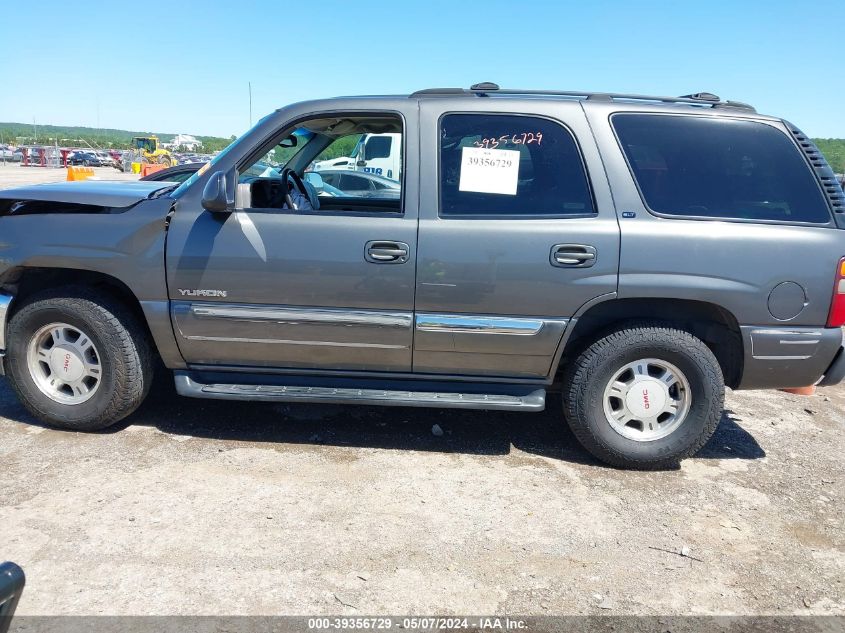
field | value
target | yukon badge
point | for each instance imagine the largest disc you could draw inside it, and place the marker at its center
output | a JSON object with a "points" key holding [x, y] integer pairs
{"points": [[202, 293]]}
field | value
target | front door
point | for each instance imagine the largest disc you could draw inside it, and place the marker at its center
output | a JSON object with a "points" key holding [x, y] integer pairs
{"points": [[329, 288], [517, 233]]}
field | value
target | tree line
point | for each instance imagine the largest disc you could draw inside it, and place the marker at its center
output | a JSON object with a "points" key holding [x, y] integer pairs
{"points": [[100, 138]]}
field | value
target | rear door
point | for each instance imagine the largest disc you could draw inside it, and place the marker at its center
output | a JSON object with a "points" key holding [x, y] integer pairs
{"points": [[517, 233]]}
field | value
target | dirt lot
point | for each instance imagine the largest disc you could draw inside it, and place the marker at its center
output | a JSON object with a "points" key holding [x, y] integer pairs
{"points": [[13, 175], [195, 507]]}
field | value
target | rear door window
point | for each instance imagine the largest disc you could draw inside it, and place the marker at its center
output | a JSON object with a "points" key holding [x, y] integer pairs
{"points": [[711, 167], [495, 165]]}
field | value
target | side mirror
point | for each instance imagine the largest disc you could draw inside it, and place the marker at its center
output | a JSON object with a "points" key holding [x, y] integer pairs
{"points": [[290, 141], [215, 196], [315, 179]]}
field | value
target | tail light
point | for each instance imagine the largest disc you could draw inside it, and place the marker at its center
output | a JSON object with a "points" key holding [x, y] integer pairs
{"points": [[836, 316]]}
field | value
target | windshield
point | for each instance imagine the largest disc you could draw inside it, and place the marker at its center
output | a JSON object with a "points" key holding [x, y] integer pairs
{"points": [[280, 155], [184, 186]]}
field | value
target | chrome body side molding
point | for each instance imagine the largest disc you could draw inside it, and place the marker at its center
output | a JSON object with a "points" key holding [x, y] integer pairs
{"points": [[772, 343], [294, 316], [486, 345], [284, 336], [477, 324]]}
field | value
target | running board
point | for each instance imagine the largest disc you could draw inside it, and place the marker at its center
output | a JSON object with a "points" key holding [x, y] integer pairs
{"points": [[473, 396]]}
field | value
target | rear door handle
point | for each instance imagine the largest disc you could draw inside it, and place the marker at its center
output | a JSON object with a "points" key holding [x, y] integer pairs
{"points": [[386, 252], [573, 255]]}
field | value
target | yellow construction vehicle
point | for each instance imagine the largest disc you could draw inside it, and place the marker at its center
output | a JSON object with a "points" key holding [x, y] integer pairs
{"points": [[147, 150]]}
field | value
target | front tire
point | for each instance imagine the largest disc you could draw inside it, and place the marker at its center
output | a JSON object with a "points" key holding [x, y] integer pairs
{"points": [[644, 397], [77, 359]]}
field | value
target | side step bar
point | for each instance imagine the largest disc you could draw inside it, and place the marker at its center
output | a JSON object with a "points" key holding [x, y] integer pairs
{"points": [[441, 394]]}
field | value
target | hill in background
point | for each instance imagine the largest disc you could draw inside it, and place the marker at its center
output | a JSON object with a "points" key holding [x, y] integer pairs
{"points": [[24, 134], [102, 138]]}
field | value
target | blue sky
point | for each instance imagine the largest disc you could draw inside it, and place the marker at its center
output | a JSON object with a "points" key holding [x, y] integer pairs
{"points": [[195, 58]]}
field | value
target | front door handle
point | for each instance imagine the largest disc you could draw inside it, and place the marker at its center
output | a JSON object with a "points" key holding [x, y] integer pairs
{"points": [[386, 252], [573, 255]]}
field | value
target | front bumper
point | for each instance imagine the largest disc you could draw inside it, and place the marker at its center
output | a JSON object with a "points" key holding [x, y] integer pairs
{"points": [[777, 357]]}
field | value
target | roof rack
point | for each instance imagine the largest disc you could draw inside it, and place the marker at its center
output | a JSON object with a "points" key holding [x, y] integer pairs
{"points": [[485, 89]]}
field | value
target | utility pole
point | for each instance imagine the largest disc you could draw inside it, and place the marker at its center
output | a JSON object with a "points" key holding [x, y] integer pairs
{"points": [[249, 83]]}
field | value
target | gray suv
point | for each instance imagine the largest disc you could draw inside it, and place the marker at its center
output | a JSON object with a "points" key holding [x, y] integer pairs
{"points": [[635, 253]]}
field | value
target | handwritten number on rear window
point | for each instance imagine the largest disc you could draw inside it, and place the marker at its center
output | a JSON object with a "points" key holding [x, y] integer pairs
{"points": [[520, 138]]}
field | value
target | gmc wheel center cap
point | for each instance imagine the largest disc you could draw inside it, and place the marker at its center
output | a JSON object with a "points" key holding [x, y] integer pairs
{"points": [[65, 364], [646, 398]]}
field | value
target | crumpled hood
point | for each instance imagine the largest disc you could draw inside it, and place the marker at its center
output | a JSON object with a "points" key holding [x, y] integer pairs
{"points": [[104, 193]]}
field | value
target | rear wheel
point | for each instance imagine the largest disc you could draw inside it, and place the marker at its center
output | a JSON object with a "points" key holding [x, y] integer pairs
{"points": [[644, 397], [78, 360]]}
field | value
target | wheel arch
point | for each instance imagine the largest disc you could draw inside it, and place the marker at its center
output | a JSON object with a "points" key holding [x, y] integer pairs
{"points": [[716, 326], [25, 281]]}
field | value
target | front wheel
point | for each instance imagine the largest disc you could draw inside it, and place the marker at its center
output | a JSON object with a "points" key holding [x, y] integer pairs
{"points": [[644, 397], [77, 359]]}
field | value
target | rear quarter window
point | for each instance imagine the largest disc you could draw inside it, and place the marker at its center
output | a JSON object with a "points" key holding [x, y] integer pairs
{"points": [[719, 168]]}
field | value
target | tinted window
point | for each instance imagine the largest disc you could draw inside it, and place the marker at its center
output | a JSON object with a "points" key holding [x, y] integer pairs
{"points": [[332, 179], [354, 183], [540, 172], [378, 147], [718, 168]]}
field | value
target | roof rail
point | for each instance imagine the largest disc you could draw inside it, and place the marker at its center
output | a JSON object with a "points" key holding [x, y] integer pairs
{"points": [[485, 89]]}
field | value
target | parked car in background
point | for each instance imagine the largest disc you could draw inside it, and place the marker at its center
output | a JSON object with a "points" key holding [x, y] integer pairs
{"points": [[9, 155], [105, 159], [86, 158], [358, 183], [177, 173]]}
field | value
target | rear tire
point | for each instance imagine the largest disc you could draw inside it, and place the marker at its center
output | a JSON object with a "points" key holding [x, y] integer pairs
{"points": [[644, 397], [78, 359]]}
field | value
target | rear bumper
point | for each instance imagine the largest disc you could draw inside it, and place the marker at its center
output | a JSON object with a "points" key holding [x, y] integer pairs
{"points": [[779, 357], [836, 372]]}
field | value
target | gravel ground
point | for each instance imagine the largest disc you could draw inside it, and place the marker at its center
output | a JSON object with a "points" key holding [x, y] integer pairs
{"points": [[195, 507], [13, 175]]}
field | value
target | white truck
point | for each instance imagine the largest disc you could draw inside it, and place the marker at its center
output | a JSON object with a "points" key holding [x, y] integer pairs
{"points": [[379, 154]]}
